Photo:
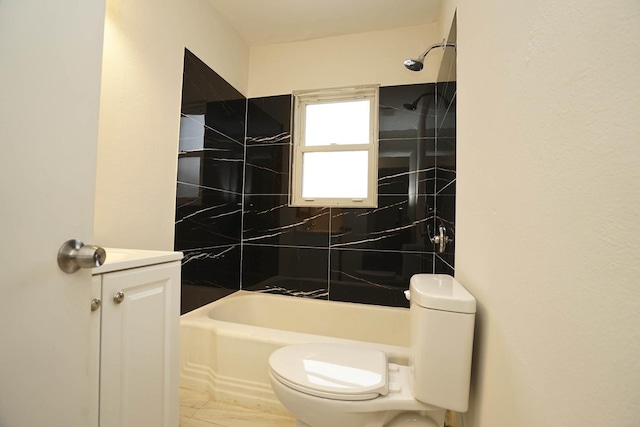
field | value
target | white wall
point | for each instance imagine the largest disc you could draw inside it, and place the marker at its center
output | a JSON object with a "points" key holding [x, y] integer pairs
{"points": [[446, 16], [548, 209], [364, 58], [140, 111]]}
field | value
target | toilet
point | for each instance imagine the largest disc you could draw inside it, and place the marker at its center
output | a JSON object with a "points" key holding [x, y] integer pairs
{"points": [[347, 385]]}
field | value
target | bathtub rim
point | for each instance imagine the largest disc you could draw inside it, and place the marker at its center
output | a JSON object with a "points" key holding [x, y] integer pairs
{"points": [[200, 317]]}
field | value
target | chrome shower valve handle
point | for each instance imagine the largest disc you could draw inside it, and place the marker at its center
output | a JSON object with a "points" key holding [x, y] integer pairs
{"points": [[441, 239]]}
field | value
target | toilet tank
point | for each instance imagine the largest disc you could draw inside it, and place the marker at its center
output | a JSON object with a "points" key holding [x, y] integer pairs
{"points": [[442, 320]]}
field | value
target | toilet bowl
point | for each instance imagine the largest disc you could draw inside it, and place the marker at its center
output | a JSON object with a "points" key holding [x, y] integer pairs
{"points": [[337, 385]]}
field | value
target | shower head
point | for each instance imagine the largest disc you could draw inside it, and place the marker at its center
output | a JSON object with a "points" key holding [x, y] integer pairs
{"points": [[411, 107], [418, 64], [413, 64]]}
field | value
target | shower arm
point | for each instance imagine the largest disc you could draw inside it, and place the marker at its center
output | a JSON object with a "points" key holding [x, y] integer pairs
{"points": [[414, 104], [443, 45]]}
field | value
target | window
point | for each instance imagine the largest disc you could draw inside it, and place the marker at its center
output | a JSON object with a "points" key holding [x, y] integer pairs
{"points": [[335, 147]]}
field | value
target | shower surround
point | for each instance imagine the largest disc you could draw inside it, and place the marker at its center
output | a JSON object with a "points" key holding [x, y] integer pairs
{"points": [[235, 227]]}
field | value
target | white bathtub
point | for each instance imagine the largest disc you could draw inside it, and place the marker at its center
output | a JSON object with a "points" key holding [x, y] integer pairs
{"points": [[225, 345]]}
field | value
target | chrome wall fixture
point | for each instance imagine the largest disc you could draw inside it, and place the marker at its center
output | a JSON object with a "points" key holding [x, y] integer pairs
{"points": [[414, 105], [418, 64], [441, 239]]}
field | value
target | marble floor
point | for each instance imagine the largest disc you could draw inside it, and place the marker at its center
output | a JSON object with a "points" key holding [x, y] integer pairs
{"points": [[198, 410]]}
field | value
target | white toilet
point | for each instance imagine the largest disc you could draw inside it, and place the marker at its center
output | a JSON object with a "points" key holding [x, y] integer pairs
{"points": [[336, 385]]}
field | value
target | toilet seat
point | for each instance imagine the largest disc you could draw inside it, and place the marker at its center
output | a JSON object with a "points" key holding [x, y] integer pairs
{"points": [[332, 371]]}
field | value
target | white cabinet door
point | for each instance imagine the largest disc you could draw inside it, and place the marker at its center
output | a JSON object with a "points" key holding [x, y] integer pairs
{"points": [[139, 347]]}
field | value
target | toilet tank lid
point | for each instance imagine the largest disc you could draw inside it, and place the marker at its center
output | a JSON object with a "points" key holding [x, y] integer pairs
{"points": [[441, 292]]}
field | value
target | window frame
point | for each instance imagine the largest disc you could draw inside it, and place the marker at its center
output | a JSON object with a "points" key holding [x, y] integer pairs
{"points": [[353, 93]]}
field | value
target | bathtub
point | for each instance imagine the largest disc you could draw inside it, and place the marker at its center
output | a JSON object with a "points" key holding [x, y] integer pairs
{"points": [[225, 345]]}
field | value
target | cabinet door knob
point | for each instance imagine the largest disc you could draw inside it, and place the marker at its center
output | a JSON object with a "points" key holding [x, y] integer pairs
{"points": [[95, 304], [119, 297]]}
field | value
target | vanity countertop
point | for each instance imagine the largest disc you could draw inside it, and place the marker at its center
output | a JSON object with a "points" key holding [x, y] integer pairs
{"points": [[122, 259]]}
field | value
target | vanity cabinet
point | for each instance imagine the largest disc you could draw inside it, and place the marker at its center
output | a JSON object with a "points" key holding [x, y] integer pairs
{"points": [[137, 356]]}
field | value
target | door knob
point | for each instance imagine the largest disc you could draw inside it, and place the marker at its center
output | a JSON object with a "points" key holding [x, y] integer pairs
{"points": [[74, 255]]}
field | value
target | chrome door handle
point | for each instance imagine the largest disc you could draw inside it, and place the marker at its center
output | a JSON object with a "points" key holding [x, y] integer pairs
{"points": [[74, 255]]}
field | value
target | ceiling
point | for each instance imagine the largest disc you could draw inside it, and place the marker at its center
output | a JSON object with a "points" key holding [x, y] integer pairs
{"points": [[279, 21]]}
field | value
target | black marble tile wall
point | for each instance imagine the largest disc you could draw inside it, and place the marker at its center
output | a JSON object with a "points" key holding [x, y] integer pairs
{"points": [[445, 150], [237, 230], [268, 144], [208, 220], [300, 271], [374, 252], [364, 255]]}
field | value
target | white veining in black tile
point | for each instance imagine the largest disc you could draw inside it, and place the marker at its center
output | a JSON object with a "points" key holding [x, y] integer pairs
{"points": [[398, 223], [293, 268], [321, 293], [268, 219], [281, 138], [216, 267]]}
